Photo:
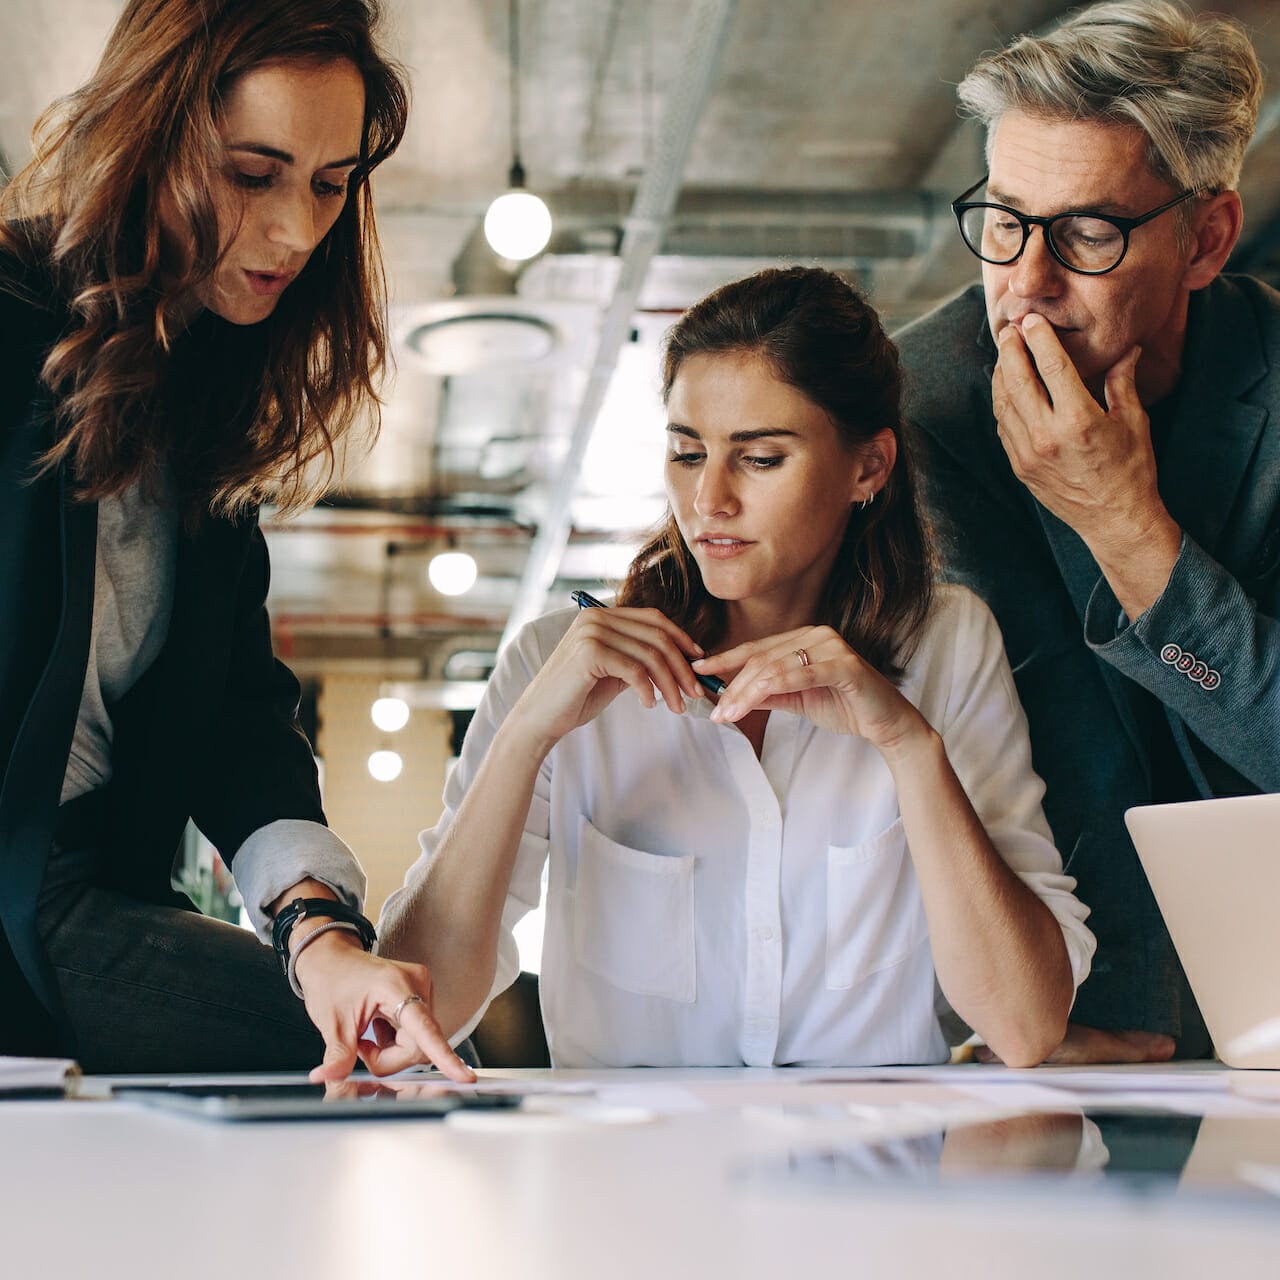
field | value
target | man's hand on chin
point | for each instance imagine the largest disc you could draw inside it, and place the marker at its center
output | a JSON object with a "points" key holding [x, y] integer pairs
{"points": [[1083, 1045], [1093, 467]]}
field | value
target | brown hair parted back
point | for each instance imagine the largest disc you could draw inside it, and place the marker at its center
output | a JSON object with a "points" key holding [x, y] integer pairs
{"points": [[87, 209], [818, 335]]}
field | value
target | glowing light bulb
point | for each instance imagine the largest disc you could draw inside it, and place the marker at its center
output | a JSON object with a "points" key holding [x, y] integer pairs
{"points": [[518, 225], [452, 573], [390, 714], [385, 766]]}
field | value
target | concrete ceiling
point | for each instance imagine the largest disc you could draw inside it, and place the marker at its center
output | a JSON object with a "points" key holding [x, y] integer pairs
{"points": [[829, 134]]}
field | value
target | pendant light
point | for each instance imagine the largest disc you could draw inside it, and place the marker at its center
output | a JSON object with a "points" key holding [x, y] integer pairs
{"points": [[389, 715], [518, 223]]}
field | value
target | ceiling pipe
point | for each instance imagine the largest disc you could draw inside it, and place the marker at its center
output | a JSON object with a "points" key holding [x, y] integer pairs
{"points": [[376, 621], [379, 622], [583, 207], [401, 532], [464, 535], [643, 229]]}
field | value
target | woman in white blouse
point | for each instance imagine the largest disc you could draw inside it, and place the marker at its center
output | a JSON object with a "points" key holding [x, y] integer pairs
{"points": [[808, 868]]}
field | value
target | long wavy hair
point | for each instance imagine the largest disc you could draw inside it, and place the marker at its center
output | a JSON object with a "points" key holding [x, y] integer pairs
{"points": [[818, 335], [270, 407]]}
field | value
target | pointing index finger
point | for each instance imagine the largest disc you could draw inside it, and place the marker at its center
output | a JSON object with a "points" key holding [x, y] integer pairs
{"points": [[419, 1026]]}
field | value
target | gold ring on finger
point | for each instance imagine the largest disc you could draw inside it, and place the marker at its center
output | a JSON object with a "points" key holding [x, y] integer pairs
{"points": [[803, 656]]}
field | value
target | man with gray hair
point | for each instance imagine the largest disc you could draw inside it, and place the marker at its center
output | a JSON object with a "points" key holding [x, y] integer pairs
{"points": [[1098, 428]]}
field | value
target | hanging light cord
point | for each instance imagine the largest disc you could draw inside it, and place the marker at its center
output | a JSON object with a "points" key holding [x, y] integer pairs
{"points": [[516, 177]]}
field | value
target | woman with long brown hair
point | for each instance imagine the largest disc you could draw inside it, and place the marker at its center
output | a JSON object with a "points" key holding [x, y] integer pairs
{"points": [[190, 323], [786, 874]]}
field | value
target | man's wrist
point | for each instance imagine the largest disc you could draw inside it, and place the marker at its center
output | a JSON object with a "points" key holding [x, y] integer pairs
{"points": [[1129, 536], [1138, 562]]}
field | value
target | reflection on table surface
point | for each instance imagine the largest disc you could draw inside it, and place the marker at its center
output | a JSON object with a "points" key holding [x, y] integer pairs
{"points": [[1140, 1152]]}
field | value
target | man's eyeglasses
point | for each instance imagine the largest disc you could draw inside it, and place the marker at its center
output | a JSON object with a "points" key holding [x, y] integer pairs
{"points": [[1088, 243]]}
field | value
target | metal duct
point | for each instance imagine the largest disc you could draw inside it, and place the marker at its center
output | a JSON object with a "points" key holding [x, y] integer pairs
{"points": [[643, 230]]}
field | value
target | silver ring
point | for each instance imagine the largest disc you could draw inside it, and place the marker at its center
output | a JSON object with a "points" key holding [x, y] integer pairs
{"points": [[802, 655], [413, 999]]}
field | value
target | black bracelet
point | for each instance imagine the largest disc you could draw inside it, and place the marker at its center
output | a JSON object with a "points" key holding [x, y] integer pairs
{"points": [[300, 908]]}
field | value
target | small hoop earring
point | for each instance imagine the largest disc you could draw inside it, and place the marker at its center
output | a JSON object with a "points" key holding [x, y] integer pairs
{"points": [[866, 502]]}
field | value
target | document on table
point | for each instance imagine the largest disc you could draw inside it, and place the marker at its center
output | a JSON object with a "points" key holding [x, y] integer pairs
{"points": [[1181, 1077], [28, 1076], [490, 1083]]}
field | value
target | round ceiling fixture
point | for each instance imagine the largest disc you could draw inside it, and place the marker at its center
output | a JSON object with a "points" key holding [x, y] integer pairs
{"points": [[480, 340], [452, 573], [390, 714], [518, 225], [385, 766]]}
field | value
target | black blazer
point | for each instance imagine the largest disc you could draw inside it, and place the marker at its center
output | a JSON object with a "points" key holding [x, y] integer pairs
{"points": [[209, 732]]}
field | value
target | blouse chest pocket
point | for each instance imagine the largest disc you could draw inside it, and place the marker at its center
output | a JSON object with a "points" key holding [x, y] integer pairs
{"points": [[633, 918], [875, 914]]}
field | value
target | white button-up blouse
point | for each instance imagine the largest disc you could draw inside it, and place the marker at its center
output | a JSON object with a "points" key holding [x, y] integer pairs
{"points": [[705, 907]]}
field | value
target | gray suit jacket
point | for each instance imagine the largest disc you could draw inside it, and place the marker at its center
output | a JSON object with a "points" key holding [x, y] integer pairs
{"points": [[1184, 703]]}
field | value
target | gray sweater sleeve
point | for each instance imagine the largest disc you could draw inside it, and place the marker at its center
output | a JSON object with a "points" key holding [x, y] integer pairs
{"points": [[276, 857]]}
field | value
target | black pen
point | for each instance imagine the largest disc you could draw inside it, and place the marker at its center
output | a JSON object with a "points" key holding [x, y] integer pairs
{"points": [[584, 600]]}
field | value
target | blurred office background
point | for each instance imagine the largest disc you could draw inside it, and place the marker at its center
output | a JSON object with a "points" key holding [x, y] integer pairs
{"points": [[677, 144]]}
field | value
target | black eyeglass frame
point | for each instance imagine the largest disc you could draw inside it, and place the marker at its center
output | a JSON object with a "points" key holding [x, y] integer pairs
{"points": [[962, 204]]}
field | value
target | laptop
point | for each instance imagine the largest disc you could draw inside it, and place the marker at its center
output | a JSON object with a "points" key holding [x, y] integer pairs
{"points": [[1214, 866]]}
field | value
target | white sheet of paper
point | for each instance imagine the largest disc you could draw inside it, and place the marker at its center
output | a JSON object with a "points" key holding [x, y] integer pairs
{"points": [[20, 1074], [1181, 1077]]}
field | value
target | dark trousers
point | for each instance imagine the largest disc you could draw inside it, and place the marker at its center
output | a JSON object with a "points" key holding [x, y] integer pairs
{"points": [[149, 988]]}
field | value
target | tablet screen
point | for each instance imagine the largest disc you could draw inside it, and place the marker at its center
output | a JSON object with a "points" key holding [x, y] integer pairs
{"points": [[352, 1099]]}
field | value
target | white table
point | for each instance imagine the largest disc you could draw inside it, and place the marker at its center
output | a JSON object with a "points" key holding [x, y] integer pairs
{"points": [[103, 1190]]}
